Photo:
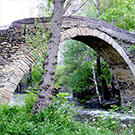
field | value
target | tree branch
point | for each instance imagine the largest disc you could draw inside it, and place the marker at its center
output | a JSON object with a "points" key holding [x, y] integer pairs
{"points": [[98, 8], [107, 4], [67, 6], [78, 8], [128, 17], [91, 79], [94, 7]]}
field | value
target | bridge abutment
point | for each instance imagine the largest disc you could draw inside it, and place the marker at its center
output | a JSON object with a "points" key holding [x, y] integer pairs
{"points": [[127, 92]]}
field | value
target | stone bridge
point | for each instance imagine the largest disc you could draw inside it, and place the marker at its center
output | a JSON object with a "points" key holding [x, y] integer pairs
{"points": [[110, 42]]}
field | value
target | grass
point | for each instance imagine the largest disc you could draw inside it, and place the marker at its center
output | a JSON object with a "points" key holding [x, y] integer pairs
{"points": [[57, 119]]}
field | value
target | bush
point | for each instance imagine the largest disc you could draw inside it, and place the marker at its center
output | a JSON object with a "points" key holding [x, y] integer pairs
{"points": [[53, 120], [112, 120]]}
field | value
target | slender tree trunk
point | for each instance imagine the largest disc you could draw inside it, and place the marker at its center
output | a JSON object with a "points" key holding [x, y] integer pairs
{"points": [[94, 77], [116, 92], [113, 86], [47, 79], [19, 88], [106, 94], [30, 75], [98, 8]]}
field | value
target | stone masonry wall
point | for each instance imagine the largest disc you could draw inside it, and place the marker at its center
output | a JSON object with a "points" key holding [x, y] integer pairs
{"points": [[111, 42]]}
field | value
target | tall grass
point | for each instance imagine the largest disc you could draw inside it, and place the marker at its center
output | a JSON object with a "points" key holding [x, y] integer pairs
{"points": [[56, 119]]}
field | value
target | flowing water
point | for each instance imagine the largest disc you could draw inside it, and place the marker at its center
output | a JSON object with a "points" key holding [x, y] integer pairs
{"points": [[92, 114], [17, 99], [85, 113]]}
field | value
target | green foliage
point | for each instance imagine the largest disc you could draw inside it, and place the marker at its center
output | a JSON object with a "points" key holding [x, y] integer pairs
{"points": [[29, 99], [106, 74], [79, 79], [58, 119], [77, 66], [74, 53], [38, 37], [120, 13], [132, 48], [46, 9], [37, 70], [54, 119], [76, 80], [111, 120], [77, 74], [60, 74], [38, 40], [25, 79]]}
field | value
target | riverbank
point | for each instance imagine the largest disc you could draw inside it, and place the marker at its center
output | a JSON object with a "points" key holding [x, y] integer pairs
{"points": [[88, 116], [53, 120], [86, 111]]}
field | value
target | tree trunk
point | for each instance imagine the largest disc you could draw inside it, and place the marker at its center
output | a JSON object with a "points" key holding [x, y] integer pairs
{"points": [[47, 79], [116, 92], [30, 75], [19, 88], [113, 86], [94, 78], [106, 94]]}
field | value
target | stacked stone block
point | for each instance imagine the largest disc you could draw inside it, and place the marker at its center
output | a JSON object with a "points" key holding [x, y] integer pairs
{"points": [[111, 42]]}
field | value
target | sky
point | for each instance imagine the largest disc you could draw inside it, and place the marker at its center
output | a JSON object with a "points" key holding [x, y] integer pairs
{"points": [[11, 10]]}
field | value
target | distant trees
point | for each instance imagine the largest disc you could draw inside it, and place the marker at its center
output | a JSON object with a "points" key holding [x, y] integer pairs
{"points": [[120, 13], [81, 70]]}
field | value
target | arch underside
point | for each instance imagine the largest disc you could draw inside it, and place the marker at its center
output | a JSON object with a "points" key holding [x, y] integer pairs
{"points": [[12, 75], [111, 56]]}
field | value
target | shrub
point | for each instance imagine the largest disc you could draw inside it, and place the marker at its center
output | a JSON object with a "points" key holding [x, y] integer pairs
{"points": [[52, 120]]}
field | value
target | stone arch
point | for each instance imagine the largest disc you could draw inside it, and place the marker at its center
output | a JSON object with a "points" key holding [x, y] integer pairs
{"points": [[84, 34], [111, 42], [13, 74], [114, 55]]}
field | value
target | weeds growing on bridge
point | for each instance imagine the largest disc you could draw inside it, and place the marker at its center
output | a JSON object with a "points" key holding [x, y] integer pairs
{"points": [[53, 120]]}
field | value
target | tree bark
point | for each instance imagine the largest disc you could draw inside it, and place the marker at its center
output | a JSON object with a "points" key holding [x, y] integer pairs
{"points": [[49, 66], [106, 94], [94, 78], [67, 6], [98, 8], [19, 88], [30, 75], [113, 86]]}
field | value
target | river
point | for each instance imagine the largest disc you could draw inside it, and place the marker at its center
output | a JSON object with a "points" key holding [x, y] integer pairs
{"points": [[85, 113]]}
